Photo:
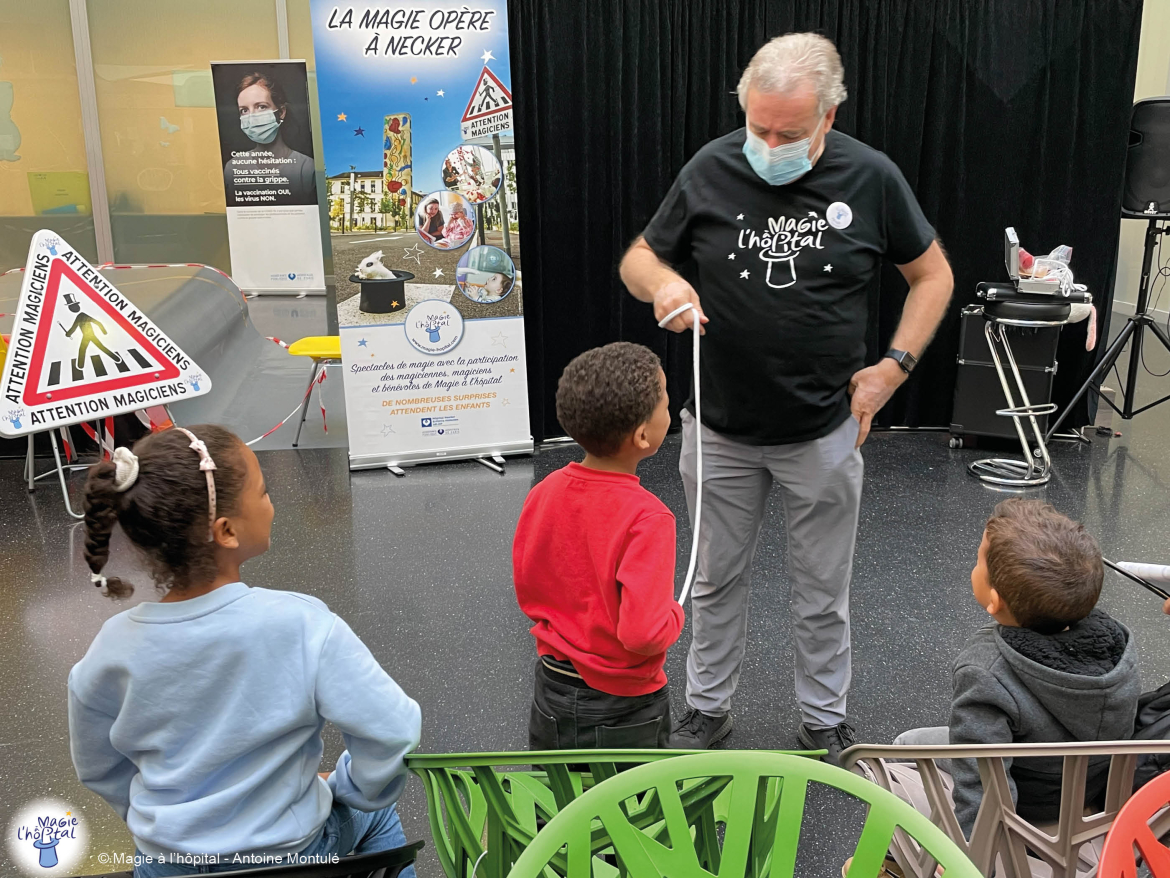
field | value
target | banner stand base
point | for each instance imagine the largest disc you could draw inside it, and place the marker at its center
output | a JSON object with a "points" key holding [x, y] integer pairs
{"points": [[492, 458], [496, 463], [300, 294]]}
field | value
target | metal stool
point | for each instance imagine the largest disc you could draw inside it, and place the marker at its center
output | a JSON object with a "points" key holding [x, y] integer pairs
{"points": [[1028, 312]]}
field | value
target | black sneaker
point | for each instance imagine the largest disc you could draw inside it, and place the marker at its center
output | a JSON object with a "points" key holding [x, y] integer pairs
{"points": [[834, 739], [698, 731]]}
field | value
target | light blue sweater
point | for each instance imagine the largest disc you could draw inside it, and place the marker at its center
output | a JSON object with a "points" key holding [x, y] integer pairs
{"points": [[200, 721]]}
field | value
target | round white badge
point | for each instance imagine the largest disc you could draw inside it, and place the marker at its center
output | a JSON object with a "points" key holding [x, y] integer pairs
{"points": [[839, 216], [49, 837], [434, 326]]}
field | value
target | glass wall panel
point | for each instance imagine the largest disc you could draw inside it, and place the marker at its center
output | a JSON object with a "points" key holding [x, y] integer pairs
{"points": [[300, 45], [159, 136], [43, 179]]}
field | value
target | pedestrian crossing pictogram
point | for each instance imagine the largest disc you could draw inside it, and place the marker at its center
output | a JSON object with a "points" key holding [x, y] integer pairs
{"points": [[490, 96], [84, 345], [80, 349], [489, 111], [77, 353]]}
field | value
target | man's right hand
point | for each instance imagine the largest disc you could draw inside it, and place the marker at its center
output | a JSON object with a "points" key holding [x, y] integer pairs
{"points": [[674, 295]]}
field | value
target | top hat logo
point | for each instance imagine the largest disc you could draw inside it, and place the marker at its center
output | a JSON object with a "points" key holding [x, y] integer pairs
{"points": [[47, 835], [434, 326], [71, 301]]}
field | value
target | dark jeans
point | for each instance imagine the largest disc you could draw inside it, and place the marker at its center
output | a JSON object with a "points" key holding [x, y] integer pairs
{"points": [[346, 830], [569, 715]]}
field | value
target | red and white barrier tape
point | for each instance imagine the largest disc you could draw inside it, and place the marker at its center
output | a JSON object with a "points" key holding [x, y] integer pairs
{"points": [[67, 441], [319, 380], [105, 265], [106, 440], [321, 400], [304, 400]]}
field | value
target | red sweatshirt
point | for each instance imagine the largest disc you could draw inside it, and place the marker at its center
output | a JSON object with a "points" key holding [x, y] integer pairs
{"points": [[593, 562]]}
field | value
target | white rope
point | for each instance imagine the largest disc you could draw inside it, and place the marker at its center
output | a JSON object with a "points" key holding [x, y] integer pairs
{"points": [[477, 862], [690, 577]]}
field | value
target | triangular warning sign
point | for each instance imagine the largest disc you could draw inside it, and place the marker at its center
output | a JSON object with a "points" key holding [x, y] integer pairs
{"points": [[489, 97], [80, 350]]}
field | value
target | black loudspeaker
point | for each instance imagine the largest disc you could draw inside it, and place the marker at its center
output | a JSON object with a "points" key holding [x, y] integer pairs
{"points": [[1147, 163], [978, 393]]}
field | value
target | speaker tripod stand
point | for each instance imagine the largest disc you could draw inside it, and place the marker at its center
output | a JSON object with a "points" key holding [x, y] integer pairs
{"points": [[1134, 329]]}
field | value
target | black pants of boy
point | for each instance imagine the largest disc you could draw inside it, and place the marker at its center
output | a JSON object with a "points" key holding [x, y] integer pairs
{"points": [[568, 714]]}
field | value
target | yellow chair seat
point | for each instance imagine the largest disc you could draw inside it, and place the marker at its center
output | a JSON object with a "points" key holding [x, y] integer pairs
{"points": [[319, 347]]}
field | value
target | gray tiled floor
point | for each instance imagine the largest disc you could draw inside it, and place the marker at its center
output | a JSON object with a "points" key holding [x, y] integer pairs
{"points": [[420, 568]]}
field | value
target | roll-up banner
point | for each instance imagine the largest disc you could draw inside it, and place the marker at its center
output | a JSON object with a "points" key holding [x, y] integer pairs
{"points": [[416, 109], [266, 144]]}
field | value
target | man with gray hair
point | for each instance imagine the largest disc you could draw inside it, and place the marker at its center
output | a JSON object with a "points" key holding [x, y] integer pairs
{"points": [[783, 224]]}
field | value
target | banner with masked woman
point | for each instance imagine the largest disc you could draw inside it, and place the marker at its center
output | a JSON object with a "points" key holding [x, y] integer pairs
{"points": [[269, 180]]}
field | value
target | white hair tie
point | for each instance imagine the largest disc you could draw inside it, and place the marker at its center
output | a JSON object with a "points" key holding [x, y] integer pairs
{"points": [[97, 579], [125, 468]]}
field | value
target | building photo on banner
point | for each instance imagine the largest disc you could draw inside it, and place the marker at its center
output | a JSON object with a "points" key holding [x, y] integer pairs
{"points": [[266, 145], [417, 129]]}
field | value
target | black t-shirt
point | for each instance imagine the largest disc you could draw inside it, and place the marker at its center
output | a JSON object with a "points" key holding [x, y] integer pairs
{"points": [[782, 272]]}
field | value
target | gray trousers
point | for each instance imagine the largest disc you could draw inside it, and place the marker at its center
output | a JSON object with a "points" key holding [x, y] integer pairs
{"points": [[820, 485], [927, 736]]}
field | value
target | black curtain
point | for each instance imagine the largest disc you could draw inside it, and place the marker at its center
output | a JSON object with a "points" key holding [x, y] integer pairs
{"points": [[999, 112]]}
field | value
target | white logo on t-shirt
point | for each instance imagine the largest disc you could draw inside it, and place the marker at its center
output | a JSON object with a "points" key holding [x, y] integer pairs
{"points": [[782, 243], [839, 215]]}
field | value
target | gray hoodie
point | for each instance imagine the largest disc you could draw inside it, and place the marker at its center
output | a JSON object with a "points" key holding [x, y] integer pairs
{"points": [[1014, 685]]}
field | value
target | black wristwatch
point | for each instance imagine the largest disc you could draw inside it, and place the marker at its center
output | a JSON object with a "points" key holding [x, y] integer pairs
{"points": [[906, 360]]}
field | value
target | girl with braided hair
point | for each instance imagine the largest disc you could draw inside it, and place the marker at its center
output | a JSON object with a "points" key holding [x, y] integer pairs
{"points": [[198, 717]]}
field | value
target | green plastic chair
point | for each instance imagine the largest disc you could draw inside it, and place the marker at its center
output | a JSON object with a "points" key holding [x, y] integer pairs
{"points": [[656, 821], [479, 802]]}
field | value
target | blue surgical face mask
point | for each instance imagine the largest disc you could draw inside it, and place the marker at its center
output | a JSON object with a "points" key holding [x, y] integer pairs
{"points": [[261, 127], [780, 164]]}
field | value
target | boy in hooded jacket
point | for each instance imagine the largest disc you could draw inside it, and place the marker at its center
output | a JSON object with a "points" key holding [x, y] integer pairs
{"points": [[1051, 667]]}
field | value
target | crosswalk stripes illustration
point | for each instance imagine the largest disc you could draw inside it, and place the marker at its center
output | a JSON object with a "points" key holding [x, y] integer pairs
{"points": [[97, 367]]}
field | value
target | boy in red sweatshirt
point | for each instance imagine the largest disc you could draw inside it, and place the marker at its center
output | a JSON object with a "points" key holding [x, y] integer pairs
{"points": [[593, 562]]}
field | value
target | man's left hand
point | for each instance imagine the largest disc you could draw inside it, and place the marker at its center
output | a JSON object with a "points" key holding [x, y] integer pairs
{"points": [[870, 389]]}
